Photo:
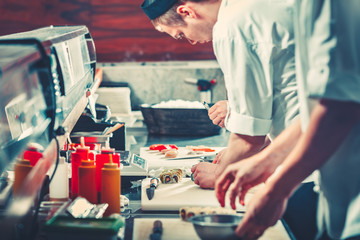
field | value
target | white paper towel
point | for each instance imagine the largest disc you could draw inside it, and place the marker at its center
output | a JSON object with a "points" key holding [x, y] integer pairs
{"points": [[117, 98]]}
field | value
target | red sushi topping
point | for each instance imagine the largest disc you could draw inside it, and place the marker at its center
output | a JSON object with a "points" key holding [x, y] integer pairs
{"points": [[160, 147]]}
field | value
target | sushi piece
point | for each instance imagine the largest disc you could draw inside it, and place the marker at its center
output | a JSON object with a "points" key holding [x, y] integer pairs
{"points": [[171, 176], [165, 177]]}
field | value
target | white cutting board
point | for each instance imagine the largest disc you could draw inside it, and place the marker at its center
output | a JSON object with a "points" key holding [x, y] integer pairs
{"points": [[157, 160], [176, 229], [171, 197]]}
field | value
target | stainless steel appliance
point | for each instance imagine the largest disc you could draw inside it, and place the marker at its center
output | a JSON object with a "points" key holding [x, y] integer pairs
{"points": [[46, 78], [72, 56]]}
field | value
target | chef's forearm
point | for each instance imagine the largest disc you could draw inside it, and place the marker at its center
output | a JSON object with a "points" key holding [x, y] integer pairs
{"points": [[281, 147], [241, 147], [330, 123]]}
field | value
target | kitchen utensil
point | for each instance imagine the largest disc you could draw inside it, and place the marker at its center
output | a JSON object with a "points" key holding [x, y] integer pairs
{"points": [[216, 226], [154, 182], [206, 105], [112, 129], [157, 231]]}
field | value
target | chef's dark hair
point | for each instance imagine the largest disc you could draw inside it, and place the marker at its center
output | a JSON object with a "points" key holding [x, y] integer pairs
{"points": [[155, 8], [164, 11]]}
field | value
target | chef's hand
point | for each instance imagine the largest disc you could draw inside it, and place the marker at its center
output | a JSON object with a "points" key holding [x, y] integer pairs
{"points": [[239, 177], [219, 156], [217, 113], [205, 174], [263, 210]]}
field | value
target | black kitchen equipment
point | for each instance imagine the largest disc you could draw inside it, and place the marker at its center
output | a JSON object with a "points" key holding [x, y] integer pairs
{"points": [[178, 121], [71, 51]]}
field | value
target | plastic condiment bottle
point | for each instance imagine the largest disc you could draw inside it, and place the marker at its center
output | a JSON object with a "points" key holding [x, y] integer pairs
{"points": [[81, 153], [33, 153], [21, 170], [59, 185], [87, 184], [101, 159], [110, 187]]}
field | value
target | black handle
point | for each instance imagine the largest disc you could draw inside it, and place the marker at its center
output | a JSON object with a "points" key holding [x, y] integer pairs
{"points": [[157, 227]]}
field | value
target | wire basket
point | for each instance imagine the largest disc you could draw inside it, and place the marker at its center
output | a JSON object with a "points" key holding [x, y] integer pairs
{"points": [[178, 121]]}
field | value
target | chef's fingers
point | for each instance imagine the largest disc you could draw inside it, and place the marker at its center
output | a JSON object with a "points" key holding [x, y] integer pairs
{"points": [[217, 159], [222, 123], [193, 168], [221, 188], [234, 191], [244, 191], [195, 173], [216, 120], [212, 109], [196, 181], [212, 115]]}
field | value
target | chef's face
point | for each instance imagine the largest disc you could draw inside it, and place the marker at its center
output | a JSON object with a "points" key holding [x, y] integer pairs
{"points": [[193, 32]]}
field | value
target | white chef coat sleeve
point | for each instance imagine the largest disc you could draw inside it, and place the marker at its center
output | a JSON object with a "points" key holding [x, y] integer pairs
{"points": [[249, 85], [334, 53]]}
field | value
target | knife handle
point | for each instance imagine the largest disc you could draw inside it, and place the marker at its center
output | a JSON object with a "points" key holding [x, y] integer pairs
{"points": [[157, 227], [154, 182]]}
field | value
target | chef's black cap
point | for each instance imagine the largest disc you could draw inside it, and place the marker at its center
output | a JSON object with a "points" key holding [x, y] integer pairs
{"points": [[155, 8]]}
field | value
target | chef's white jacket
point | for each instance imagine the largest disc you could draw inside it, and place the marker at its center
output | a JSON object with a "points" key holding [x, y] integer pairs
{"points": [[254, 45], [328, 66]]}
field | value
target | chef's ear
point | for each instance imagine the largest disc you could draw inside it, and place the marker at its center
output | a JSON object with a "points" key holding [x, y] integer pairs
{"points": [[186, 11]]}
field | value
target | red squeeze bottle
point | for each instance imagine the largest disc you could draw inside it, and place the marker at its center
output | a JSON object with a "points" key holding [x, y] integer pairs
{"points": [[87, 188], [101, 159], [81, 153], [33, 154], [110, 187]]}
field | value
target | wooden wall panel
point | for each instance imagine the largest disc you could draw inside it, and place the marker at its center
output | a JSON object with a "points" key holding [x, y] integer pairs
{"points": [[120, 29]]}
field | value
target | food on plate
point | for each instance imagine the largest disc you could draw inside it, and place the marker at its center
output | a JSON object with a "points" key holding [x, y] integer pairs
{"points": [[187, 212], [171, 153], [171, 176], [161, 147], [165, 177], [200, 149]]}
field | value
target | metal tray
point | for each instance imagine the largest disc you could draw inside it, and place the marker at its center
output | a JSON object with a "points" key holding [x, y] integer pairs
{"points": [[178, 121]]}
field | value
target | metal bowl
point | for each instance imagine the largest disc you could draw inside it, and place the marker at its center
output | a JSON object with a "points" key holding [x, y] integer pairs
{"points": [[216, 226]]}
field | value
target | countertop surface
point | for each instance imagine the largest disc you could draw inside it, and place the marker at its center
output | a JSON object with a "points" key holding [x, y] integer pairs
{"points": [[137, 138]]}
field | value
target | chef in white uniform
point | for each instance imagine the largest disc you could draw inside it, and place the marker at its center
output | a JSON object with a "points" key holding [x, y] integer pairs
{"points": [[328, 138], [254, 45]]}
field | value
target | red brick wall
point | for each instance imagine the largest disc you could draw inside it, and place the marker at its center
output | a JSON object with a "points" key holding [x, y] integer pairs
{"points": [[120, 29]]}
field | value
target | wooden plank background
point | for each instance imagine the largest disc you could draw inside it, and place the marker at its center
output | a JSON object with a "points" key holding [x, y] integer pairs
{"points": [[120, 29]]}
